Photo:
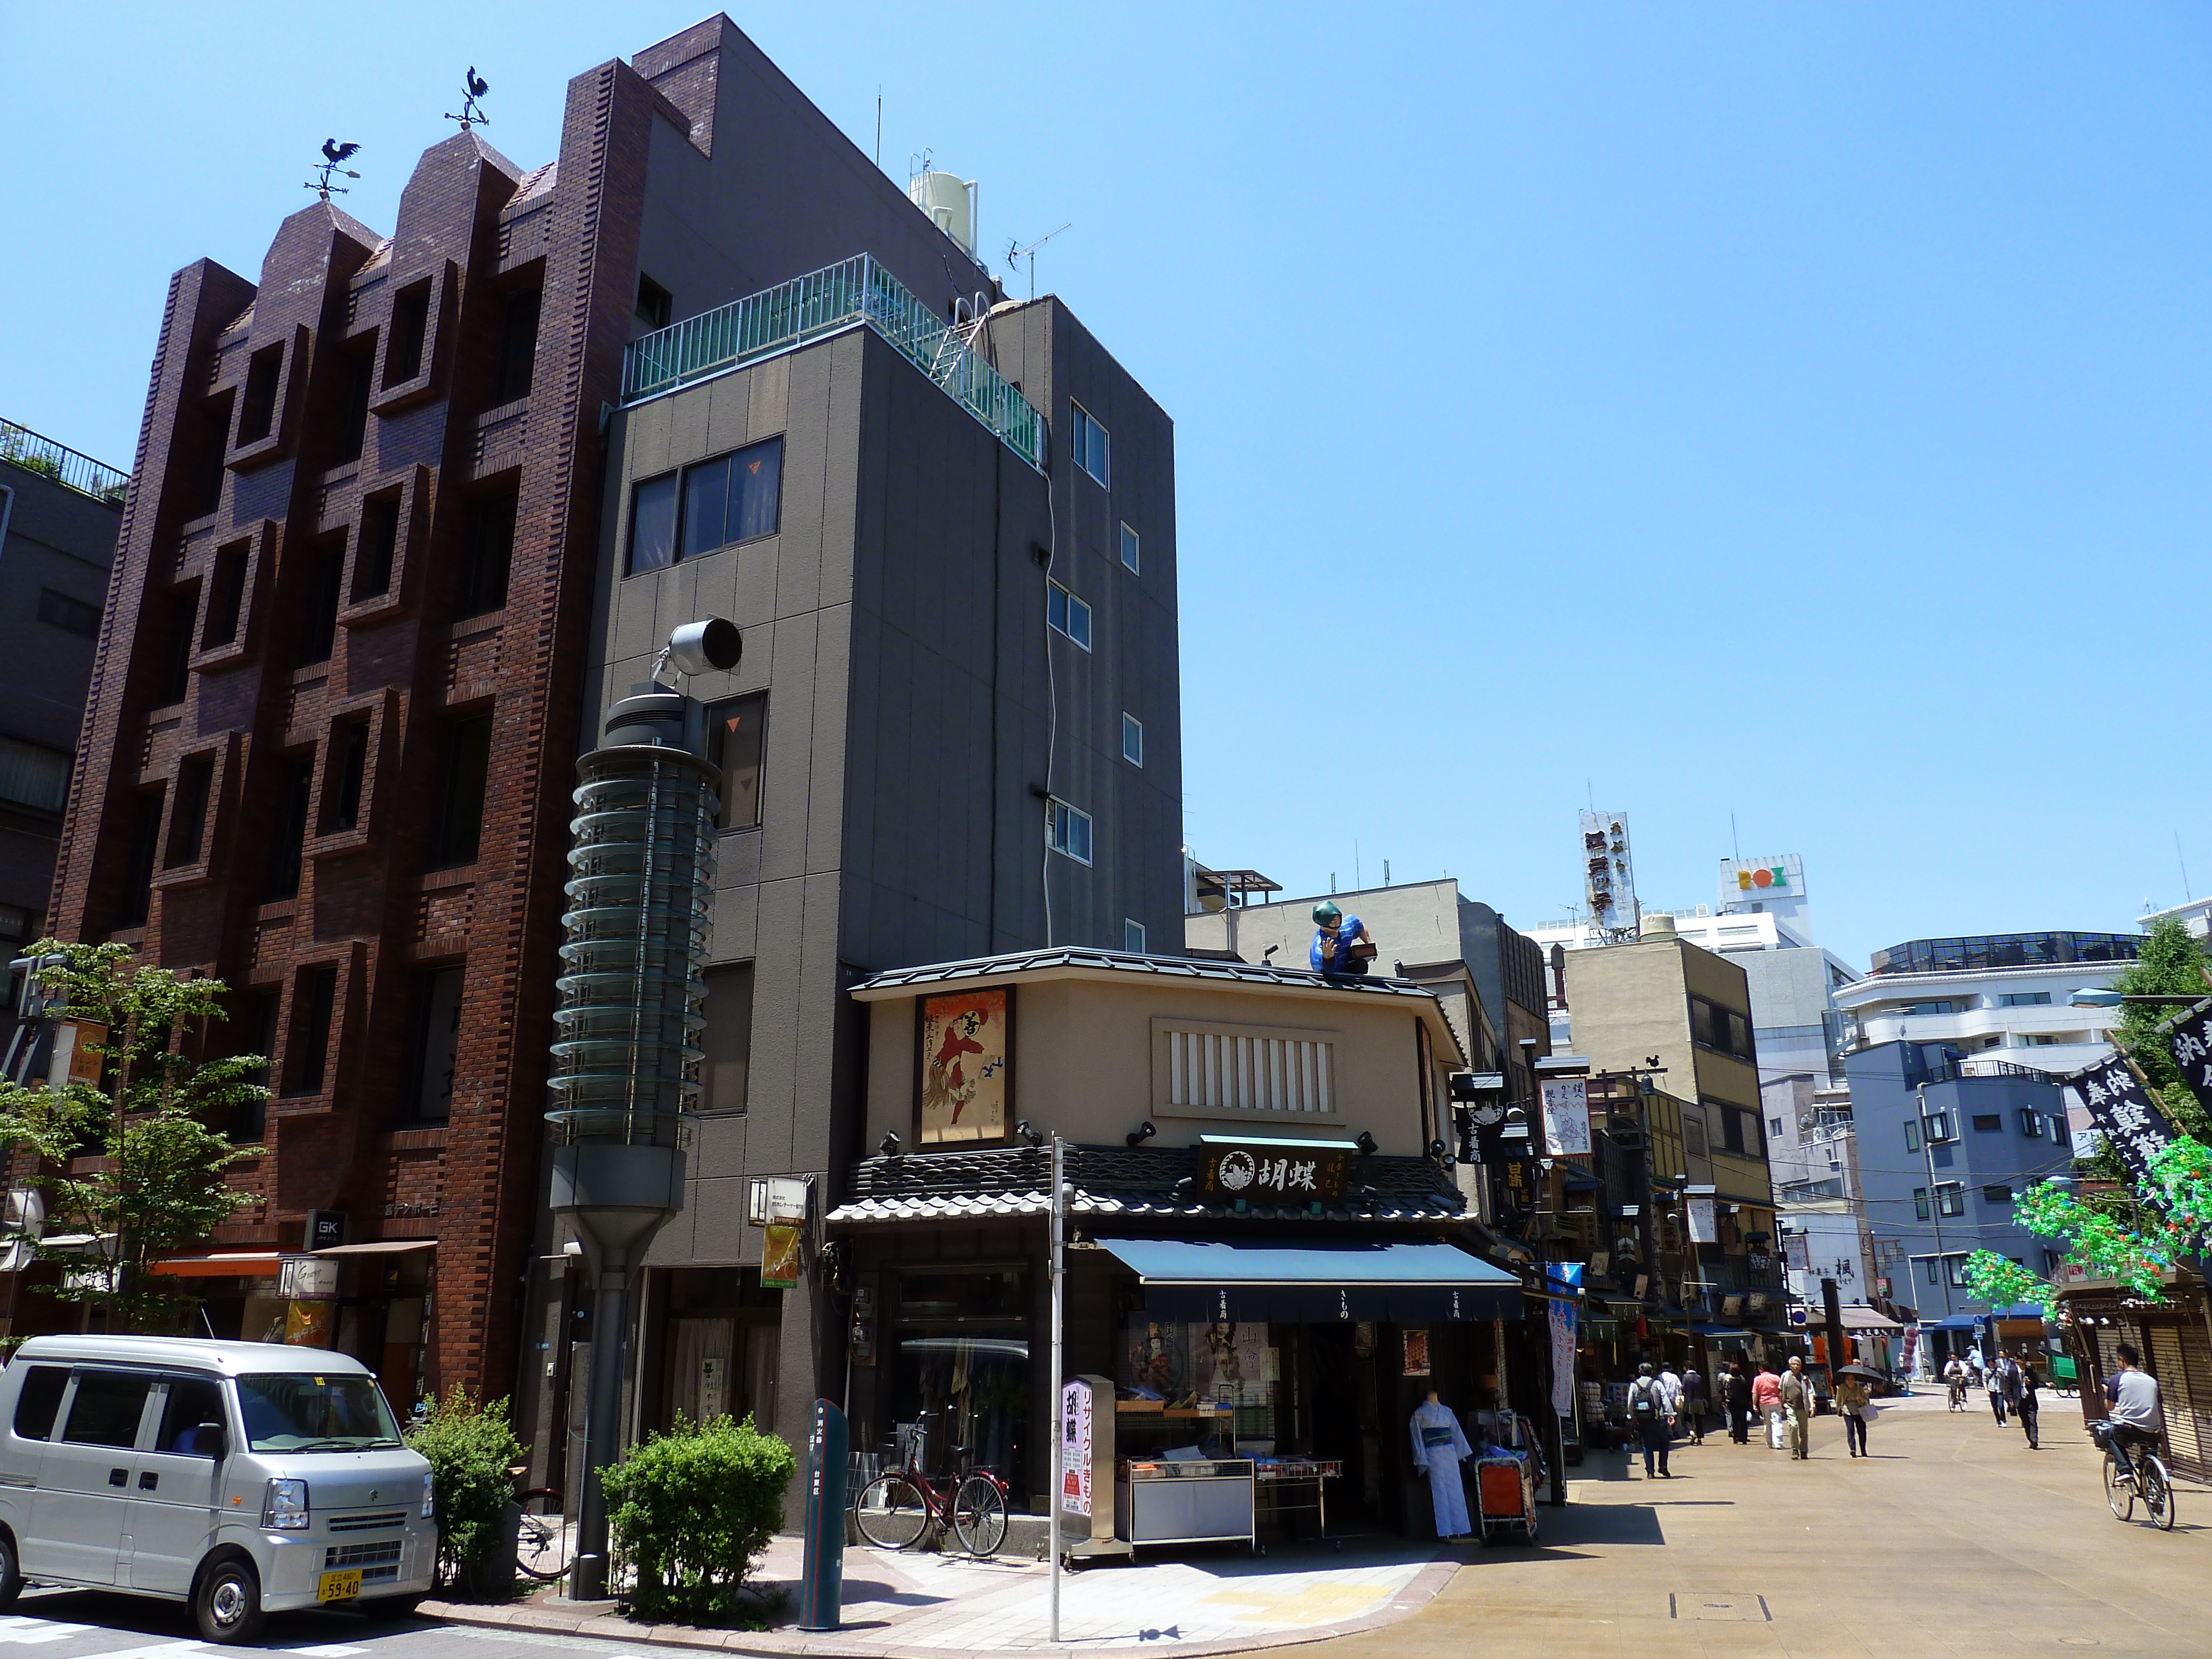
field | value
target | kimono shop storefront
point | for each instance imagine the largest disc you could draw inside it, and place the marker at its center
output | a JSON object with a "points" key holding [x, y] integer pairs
{"points": [[1293, 1358]]}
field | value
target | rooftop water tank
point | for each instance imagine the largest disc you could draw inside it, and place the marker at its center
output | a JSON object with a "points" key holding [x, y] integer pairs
{"points": [[949, 201]]}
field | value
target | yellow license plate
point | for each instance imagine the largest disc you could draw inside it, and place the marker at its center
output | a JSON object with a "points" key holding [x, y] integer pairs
{"points": [[338, 1586]]}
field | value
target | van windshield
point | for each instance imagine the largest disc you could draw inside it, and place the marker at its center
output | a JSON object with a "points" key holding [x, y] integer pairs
{"points": [[298, 1412]]}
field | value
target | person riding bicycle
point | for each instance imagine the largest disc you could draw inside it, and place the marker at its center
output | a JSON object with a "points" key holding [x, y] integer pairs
{"points": [[1954, 1375], [2135, 1414]]}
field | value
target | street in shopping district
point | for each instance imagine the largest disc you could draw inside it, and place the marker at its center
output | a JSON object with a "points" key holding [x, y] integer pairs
{"points": [[1148, 832]]}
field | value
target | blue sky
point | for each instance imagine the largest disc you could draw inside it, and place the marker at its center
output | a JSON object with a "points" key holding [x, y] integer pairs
{"points": [[1795, 413]]}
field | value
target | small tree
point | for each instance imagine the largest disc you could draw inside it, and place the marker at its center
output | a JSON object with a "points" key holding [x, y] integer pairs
{"points": [[470, 1447], [688, 1510], [161, 1183]]}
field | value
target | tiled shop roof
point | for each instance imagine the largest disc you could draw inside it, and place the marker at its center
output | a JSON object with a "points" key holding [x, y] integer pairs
{"points": [[1190, 967], [1120, 1182]]}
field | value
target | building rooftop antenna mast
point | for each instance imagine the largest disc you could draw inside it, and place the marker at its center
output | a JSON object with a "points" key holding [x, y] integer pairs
{"points": [[1015, 255], [474, 88], [335, 154]]}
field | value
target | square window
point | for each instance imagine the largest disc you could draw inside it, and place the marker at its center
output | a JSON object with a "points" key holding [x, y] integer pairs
{"points": [[1133, 740], [1988, 1123], [1774, 1125], [1951, 1198], [2030, 1123], [1129, 548], [1067, 614], [1132, 937], [1997, 1193], [1088, 444], [1068, 830], [71, 616]]}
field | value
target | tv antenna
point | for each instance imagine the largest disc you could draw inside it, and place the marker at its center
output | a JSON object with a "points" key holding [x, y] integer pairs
{"points": [[334, 156], [1015, 255], [472, 113]]}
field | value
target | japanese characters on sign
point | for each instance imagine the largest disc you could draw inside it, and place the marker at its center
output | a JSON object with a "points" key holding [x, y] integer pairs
{"points": [[1704, 1228], [967, 1058], [1276, 1171], [2124, 1114], [1566, 1116], [1075, 1429], [2191, 1044]]}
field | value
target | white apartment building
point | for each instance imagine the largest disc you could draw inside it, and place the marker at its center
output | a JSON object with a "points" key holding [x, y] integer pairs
{"points": [[1999, 999]]}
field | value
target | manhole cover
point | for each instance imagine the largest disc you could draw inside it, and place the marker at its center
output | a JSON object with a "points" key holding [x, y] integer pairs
{"points": [[1719, 1608]]}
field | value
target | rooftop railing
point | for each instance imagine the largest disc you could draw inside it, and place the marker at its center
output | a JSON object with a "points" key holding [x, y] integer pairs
{"points": [[27, 449], [852, 291]]}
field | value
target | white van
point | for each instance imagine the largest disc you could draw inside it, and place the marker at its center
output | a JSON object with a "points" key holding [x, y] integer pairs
{"points": [[243, 1477]]}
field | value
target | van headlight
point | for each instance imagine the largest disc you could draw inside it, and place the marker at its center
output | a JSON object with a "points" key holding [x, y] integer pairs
{"points": [[429, 1499], [284, 1505]]}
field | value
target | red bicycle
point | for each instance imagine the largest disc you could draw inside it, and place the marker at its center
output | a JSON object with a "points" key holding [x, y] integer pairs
{"points": [[897, 1510]]}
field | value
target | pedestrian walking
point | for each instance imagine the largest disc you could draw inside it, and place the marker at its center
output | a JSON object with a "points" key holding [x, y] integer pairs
{"points": [[1693, 1404], [1766, 1401], [2030, 1408], [1670, 1384], [1649, 1411], [2004, 1385], [1737, 1398], [1855, 1402], [1976, 1369], [1797, 1391], [1955, 1379]]}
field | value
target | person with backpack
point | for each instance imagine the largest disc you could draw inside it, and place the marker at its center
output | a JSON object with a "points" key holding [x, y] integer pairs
{"points": [[1652, 1413]]}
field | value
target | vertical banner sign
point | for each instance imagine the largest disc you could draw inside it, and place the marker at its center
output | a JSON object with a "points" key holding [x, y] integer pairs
{"points": [[1565, 1314], [1075, 1408], [1702, 1230], [1566, 1116], [2191, 1044], [2124, 1115], [821, 1593]]}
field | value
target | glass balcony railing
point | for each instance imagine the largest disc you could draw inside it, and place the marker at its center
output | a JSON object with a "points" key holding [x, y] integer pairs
{"points": [[855, 290], [65, 466]]}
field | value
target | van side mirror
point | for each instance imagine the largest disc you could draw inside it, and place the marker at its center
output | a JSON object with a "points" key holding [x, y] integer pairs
{"points": [[207, 1440]]}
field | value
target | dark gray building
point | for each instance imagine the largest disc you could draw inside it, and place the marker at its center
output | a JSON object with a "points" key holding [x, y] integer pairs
{"points": [[1943, 1154], [60, 512], [944, 522]]}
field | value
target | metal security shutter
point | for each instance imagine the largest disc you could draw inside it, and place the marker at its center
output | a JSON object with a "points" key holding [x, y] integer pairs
{"points": [[2185, 1449]]}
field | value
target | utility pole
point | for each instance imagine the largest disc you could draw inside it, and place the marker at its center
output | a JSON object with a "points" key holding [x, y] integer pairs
{"points": [[1935, 1201], [1059, 1342]]}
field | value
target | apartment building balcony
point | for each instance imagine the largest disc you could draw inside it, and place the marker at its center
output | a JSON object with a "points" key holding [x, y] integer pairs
{"points": [[58, 461]]}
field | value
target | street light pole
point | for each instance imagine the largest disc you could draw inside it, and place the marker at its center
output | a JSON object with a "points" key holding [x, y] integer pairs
{"points": [[1935, 1203]]}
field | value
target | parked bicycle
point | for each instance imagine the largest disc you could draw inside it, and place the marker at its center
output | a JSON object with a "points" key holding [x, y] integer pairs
{"points": [[2128, 1475], [544, 1543], [899, 1510]]}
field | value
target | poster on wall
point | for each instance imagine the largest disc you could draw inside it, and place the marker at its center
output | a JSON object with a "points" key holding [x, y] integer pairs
{"points": [[966, 1066], [1417, 1353], [1703, 1228], [1566, 1116], [780, 1258]]}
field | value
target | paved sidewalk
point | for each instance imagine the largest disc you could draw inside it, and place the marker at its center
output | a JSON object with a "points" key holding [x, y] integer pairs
{"points": [[924, 1607]]}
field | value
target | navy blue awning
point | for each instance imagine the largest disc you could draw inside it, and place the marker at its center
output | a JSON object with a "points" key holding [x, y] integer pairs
{"points": [[1315, 1283]]}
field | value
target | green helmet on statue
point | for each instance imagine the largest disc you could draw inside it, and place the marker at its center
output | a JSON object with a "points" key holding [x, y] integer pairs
{"points": [[1327, 914]]}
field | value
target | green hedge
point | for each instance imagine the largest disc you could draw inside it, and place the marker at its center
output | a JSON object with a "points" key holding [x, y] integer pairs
{"points": [[688, 1510], [472, 1448]]}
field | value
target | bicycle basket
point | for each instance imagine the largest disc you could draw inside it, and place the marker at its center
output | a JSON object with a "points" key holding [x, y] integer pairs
{"points": [[2101, 1432]]}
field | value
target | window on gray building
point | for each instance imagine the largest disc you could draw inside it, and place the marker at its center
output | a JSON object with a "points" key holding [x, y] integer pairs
{"points": [[1951, 1197], [2024, 1000], [1067, 830], [1067, 614], [32, 775], [1998, 1193], [736, 733], [1088, 444], [1132, 739], [1920, 1209], [1988, 1123], [1129, 548], [1912, 1135], [1132, 937], [726, 1044], [2030, 1123], [654, 306], [708, 505], [70, 615]]}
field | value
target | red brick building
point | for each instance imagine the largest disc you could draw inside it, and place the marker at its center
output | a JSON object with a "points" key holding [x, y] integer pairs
{"points": [[331, 737]]}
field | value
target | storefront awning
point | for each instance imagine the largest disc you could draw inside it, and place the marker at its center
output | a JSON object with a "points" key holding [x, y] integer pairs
{"points": [[1857, 1318], [1721, 1335], [1315, 1283], [235, 1264], [380, 1246]]}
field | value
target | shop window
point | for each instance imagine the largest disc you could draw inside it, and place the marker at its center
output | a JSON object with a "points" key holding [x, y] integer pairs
{"points": [[437, 1041], [737, 732], [726, 1044], [960, 1368]]}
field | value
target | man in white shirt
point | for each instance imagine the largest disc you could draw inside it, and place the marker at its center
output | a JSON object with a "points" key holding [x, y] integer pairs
{"points": [[1670, 1384], [2135, 1412]]}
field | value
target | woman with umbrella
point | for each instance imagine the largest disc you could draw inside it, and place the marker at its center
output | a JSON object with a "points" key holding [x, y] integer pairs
{"points": [[1855, 1403]]}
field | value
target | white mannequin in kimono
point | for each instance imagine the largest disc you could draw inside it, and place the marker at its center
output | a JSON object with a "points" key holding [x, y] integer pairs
{"points": [[1438, 1444]]}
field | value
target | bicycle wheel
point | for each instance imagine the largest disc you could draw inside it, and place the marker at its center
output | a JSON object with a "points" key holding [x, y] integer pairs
{"points": [[2157, 1493], [979, 1516], [2119, 1493], [543, 1541], [891, 1514]]}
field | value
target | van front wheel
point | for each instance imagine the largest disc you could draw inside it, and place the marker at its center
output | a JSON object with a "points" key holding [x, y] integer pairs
{"points": [[226, 1606], [11, 1573]]}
